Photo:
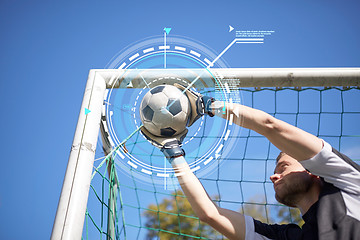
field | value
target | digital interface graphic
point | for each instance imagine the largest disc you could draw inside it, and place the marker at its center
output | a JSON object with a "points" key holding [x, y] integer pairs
{"points": [[74, 79], [203, 146]]}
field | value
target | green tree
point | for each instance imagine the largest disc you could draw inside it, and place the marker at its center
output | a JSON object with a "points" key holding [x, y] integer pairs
{"points": [[286, 215], [174, 219], [271, 213]]}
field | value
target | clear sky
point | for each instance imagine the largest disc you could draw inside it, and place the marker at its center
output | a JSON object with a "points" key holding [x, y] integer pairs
{"points": [[47, 49]]}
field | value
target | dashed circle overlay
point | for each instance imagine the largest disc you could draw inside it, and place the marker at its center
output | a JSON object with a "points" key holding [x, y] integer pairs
{"points": [[131, 161]]}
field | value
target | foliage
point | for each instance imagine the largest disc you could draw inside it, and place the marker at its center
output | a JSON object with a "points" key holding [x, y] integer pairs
{"points": [[174, 219], [286, 214], [272, 213]]}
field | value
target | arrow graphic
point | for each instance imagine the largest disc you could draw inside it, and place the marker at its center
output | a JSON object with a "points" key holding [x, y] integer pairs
{"points": [[230, 28], [167, 30], [87, 111]]}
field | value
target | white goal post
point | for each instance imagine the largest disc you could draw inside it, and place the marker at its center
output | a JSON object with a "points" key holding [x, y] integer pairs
{"points": [[72, 205]]}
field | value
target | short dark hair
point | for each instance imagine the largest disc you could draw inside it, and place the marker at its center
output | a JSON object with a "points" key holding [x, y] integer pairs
{"points": [[281, 154]]}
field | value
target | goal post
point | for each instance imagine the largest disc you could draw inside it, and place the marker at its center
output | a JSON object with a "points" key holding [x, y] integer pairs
{"points": [[72, 204], [71, 209]]}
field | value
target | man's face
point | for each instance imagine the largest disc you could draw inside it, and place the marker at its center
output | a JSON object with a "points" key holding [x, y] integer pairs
{"points": [[290, 180]]}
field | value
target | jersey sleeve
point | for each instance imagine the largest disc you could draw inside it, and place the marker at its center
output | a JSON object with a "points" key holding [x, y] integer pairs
{"points": [[335, 168], [256, 230]]}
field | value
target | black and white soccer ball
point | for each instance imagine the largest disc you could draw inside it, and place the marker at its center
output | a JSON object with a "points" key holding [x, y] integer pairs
{"points": [[164, 110]]}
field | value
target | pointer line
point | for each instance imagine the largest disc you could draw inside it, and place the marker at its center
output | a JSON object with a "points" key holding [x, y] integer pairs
{"points": [[164, 49]]}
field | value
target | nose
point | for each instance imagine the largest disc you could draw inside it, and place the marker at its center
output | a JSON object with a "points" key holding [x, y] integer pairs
{"points": [[275, 177]]}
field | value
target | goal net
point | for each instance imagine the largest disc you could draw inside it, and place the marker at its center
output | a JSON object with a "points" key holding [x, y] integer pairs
{"points": [[123, 204]]}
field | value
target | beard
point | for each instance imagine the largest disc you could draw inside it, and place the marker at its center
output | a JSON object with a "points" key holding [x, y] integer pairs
{"points": [[293, 189]]}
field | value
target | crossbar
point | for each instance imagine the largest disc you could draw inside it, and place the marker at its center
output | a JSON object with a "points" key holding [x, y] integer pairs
{"points": [[241, 77]]}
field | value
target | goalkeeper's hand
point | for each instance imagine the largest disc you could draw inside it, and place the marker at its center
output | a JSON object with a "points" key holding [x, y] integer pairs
{"points": [[169, 146], [200, 104]]}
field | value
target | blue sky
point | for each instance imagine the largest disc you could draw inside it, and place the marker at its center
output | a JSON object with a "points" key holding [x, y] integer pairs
{"points": [[47, 49]]}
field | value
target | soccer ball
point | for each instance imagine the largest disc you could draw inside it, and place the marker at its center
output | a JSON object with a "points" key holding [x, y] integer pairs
{"points": [[164, 110]]}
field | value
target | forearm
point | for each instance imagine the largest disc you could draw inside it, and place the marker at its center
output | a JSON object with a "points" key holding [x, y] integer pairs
{"points": [[229, 223], [194, 192], [244, 116], [289, 139]]}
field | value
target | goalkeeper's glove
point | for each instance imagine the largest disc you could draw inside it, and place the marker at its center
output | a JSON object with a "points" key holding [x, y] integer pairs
{"points": [[169, 146], [200, 104]]}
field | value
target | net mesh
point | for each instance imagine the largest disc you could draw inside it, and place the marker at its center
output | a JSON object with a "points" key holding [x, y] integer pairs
{"points": [[241, 183]]}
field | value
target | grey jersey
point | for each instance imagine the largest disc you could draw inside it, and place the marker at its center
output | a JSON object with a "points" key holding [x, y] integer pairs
{"points": [[337, 213]]}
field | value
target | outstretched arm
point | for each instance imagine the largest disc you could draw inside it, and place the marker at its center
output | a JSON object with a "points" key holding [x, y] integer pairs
{"points": [[229, 223], [289, 139], [295, 142]]}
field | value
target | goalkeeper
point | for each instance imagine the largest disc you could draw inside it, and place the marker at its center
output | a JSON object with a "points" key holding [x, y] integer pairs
{"points": [[309, 174]]}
